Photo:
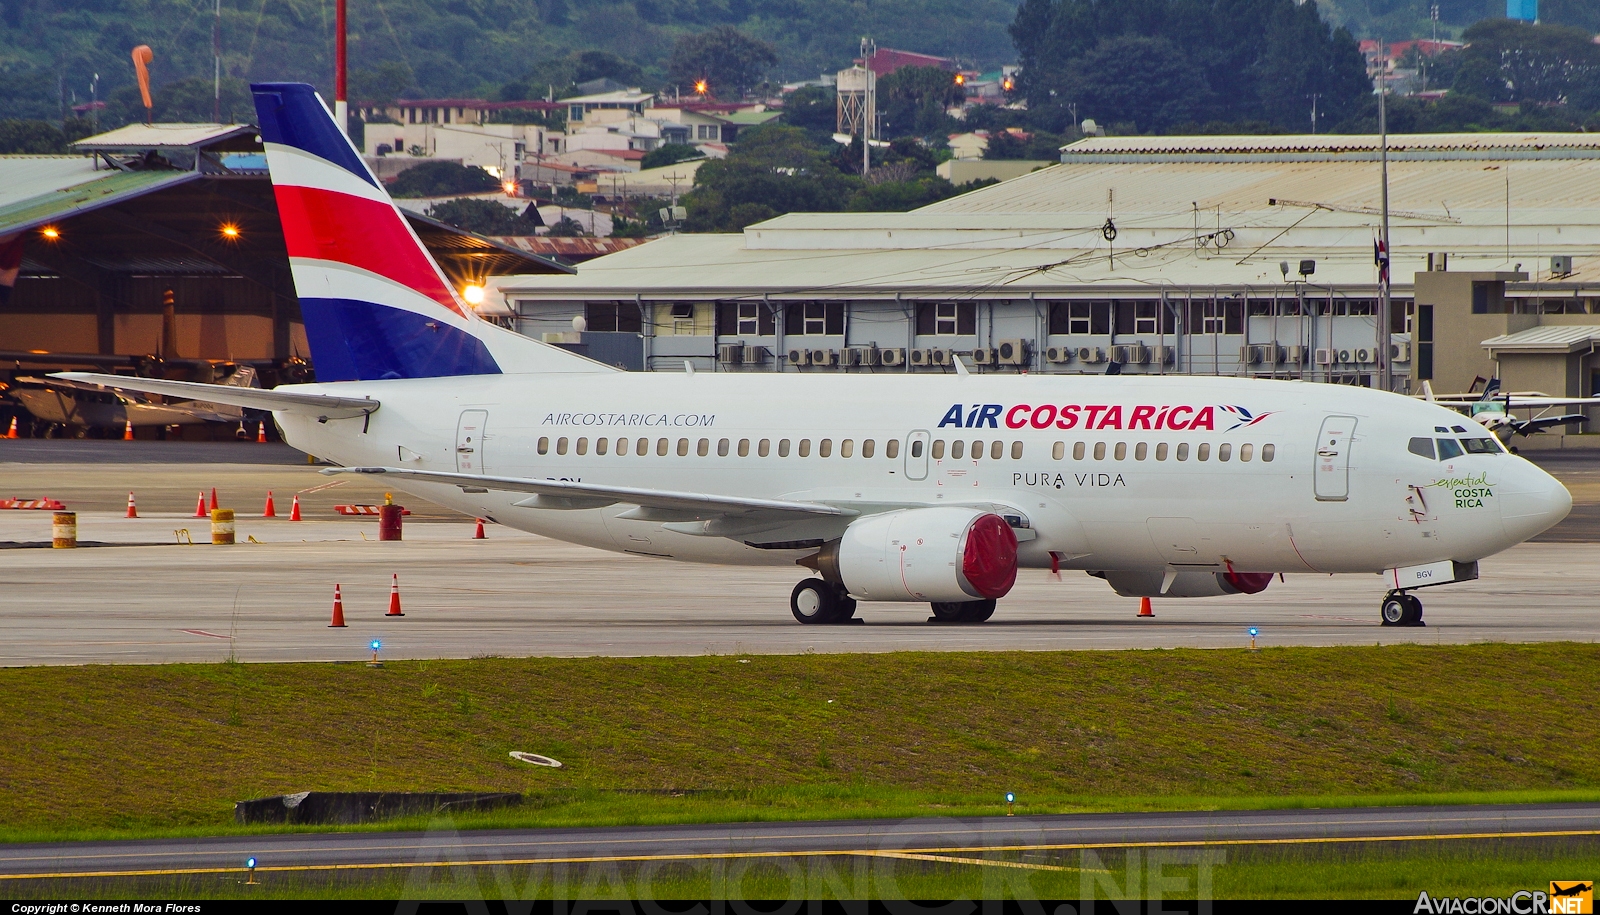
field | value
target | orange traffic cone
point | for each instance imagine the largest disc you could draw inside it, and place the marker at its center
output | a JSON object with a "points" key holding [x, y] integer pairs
{"points": [[294, 509], [200, 507], [261, 433], [1144, 607], [213, 498], [127, 431], [477, 533], [12, 432], [271, 511], [133, 510], [338, 610], [394, 597]]}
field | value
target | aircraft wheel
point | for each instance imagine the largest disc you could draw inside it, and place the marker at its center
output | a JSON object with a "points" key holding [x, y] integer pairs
{"points": [[815, 601], [978, 611], [1395, 609], [847, 607], [1413, 611], [967, 611]]}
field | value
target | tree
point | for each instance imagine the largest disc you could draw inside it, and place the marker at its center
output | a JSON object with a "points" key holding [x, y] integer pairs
{"points": [[913, 100], [1145, 81], [381, 84], [567, 227], [669, 154], [770, 171], [485, 217], [726, 58], [1514, 61], [440, 179], [39, 137], [811, 107]]}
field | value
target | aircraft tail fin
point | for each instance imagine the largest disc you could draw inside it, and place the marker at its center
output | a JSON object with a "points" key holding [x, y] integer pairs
{"points": [[1490, 389], [375, 303]]}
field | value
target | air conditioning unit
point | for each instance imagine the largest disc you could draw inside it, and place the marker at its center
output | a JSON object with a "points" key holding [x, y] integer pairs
{"points": [[1130, 354], [756, 355], [984, 355], [1344, 357], [1250, 355], [1058, 354], [1091, 354], [1294, 355], [1364, 356], [730, 353], [864, 355], [1400, 352], [824, 357], [1325, 356], [1162, 354], [1271, 353], [892, 356], [938, 356], [1013, 352], [921, 356], [799, 357], [849, 356], [1561, 264]]}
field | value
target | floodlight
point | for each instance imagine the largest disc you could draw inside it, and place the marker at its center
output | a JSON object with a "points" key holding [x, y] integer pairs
{"points": [[473, 294]]}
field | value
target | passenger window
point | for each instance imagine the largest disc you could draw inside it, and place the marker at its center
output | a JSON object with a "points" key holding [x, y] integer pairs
{"points": [[1077, 451], [1099, 451], [1480, 445], [1058, 451], [683, 447], [1141, 451], [764, 448], [977, 450], [1016, 451], [805, 447], [1204, 452], [744, 447], [997, 450], [1246, 452], [600, 445], [1447, 449], [722, 447], [1183, 451], [783, 447], [544, 446], [1422, 447], [583, 446], [957, 450], [561, 445], [1161, 451], [937, 451], [642, 447], [1121, 451], [662, 447], [622, 447], [916, 449], [825, 448], [1268, 452], [847, 448], [1224, 451], [703, 448], [891, 449], [867, 448]]}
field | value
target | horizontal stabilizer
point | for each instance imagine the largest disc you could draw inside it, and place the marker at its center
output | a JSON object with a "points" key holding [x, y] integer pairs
{"points": [[568, 494], [322, 406]]}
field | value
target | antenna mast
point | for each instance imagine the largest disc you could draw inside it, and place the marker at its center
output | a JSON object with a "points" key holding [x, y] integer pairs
{"points": [[1385, 369]]}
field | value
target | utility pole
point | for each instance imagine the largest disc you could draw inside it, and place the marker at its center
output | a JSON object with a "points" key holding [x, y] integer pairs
{"points": [[1314, 96], [1385, 369], [869, 105], [216, 65]]}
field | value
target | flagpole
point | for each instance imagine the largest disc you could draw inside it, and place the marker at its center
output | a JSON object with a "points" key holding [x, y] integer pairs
{"points": [[1385, 369]]}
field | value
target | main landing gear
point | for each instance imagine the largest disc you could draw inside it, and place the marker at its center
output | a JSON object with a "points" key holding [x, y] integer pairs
{"points": [[815, 600], [971, 611], [1401, 609]]}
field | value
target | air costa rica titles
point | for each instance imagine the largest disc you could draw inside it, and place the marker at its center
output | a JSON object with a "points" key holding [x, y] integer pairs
{"points": [[1086, 416]]}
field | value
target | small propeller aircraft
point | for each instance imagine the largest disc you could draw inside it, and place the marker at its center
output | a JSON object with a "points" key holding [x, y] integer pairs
{"points": [[1493, 408], [61, 401]]}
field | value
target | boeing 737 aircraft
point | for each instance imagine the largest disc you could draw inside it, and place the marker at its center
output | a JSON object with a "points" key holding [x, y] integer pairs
{"points": [[911, 488]]}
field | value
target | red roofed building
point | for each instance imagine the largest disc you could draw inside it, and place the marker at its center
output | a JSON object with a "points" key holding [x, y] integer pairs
{"points": [[884, 61]]}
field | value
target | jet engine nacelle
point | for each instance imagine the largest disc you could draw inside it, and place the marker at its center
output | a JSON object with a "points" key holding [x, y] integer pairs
{"points": [[947, 554], [1186, 584]]}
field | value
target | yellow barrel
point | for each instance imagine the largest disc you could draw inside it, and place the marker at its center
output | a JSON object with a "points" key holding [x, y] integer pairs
{"points": [[64, 530], [221, 525]]}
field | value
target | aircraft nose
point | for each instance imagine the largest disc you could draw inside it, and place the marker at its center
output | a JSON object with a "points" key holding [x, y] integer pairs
{"points": [[1533, 503]]}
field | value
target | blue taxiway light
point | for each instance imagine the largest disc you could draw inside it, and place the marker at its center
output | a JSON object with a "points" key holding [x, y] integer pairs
{"points": [[376, 644], [1254, 632]]}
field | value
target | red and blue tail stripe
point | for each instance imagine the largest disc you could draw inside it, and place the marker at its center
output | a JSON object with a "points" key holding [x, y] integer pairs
{"points": [[375, 303]]}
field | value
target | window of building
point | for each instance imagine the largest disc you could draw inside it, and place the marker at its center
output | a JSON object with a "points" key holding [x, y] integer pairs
{"points": [[1145, 316], [1217, 316], [947, 318], [1080, 318], [544, 446], [612, 317], [1268, 452], [744, 319], [814, 319]]}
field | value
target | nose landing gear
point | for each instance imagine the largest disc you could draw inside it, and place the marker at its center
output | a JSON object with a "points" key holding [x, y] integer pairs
{"points": [[816, 601], [1401, 609]]}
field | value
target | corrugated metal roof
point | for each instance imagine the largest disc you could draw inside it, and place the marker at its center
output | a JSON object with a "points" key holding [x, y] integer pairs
{"points": [[25, 177], [101, 189], [162, 136], [1546, 339], [1335, 145]]}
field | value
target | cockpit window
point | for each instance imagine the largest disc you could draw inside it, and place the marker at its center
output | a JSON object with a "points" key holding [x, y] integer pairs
{"points": [[1481, 445], [1422, 447], [1457, 429], [1448, 449]]}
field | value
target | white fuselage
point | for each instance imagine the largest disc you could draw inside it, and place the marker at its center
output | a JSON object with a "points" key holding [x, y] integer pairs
{"points": [[1132, 488]]}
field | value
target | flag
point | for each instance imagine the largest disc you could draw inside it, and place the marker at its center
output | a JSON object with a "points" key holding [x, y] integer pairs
{"points": [[1380, 257]]}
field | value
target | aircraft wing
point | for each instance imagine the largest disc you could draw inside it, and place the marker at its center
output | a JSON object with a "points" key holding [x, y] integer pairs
{"points": [[70, 385], [322, 406], [657, 504], [1515, 401], [1539, 425]]}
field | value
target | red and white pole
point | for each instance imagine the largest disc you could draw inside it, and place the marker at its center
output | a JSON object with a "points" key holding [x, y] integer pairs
{"points": [[341, 100]]}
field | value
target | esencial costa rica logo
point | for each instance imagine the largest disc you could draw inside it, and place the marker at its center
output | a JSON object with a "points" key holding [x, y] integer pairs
{"points": [[1177, 418]]}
